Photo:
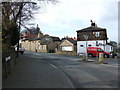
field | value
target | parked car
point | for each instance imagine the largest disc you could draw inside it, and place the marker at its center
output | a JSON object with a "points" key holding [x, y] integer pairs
{"points": [[118, 56], [21, 49], [94, 51], [113, 54]]}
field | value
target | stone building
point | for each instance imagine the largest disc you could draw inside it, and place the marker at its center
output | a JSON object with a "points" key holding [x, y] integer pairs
{"points": [[45, 43], [68, 46], [50, 42]]}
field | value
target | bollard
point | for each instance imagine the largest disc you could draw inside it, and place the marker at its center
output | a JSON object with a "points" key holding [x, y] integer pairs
{"points": [[101, 57], [115, 57], [83, 57]]}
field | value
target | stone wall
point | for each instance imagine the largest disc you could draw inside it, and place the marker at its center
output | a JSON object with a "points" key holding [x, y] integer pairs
{"points": [[71, 53], [8, 65]]}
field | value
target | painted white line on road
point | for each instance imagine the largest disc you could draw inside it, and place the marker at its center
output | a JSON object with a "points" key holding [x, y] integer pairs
{"points": [[53, 65], [110, 65], [70, 66]]}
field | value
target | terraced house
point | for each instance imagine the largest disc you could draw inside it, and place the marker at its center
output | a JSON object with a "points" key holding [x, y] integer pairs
{"points": [[45, 43], [49, 44]]}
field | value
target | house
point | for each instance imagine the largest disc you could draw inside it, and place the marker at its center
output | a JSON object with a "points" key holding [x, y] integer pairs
{"points": [[30, 45], [92, 36], [45, 44], [68, 46], [50, 42]]}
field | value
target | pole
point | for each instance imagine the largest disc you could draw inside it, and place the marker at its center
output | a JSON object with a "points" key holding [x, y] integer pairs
{"points": [[86, 38], [97, 49], [86, 51]]}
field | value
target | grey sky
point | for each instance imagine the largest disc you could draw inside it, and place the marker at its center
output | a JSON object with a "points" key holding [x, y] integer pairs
{"points": [[119, 22], [68, 16]]}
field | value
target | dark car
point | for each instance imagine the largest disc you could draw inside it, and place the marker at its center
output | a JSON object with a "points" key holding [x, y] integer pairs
{"points": [[113, 54]]}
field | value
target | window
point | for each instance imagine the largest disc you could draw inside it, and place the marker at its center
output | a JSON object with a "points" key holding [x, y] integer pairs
{"points": [[39, 47], [89, 45], [81, 45], [46, 39], [99, 50], [44, 47], [111, 48]]}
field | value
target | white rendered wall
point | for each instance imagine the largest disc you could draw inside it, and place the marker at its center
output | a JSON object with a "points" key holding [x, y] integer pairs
{"points": [[92, 43]]}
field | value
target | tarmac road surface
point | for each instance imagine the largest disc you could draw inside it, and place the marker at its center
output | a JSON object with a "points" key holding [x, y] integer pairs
{"points": [[43, 70]]}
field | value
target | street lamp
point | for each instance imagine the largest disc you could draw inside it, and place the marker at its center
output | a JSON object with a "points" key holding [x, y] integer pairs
{"points": [[86, 38]]}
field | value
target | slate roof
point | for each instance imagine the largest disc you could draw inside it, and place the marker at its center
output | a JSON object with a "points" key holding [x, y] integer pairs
{"points": [[45, 43], [55, 39], [71, 40], [91, 28], [39, 38]]}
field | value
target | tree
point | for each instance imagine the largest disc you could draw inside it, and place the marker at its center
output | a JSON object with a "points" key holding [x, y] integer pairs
{"points": [[12, 13], [15, 14]]}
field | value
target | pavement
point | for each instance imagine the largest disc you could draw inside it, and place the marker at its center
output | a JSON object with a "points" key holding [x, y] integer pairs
{"points": [[94, 60]]}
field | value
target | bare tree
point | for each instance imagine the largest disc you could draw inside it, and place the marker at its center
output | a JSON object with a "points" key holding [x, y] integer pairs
{"points": [[15, 13]]}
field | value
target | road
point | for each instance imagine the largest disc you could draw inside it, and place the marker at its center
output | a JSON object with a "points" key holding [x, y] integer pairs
{"points": [[43, 70]]}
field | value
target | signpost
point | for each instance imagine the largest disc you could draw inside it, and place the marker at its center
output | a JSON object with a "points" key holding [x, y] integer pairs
{"points": [[86, 38]]}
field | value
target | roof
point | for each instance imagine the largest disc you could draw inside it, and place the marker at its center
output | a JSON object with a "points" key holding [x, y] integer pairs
{"points": [[91, 28], [55, 38], [45, 43], [71, 40], [39, 38]]}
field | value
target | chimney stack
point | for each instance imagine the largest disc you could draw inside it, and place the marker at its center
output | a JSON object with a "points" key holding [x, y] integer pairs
{"points": [[92, 23]]}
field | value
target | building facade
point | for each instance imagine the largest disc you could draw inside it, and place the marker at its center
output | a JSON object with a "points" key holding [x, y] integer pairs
{"points": [[68, 46], [92, 36], [43, 44]]}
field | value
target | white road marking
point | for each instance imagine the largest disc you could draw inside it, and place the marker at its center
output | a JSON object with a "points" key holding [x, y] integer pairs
{"points": [[70, 66], [53, 65], [111, 65]]}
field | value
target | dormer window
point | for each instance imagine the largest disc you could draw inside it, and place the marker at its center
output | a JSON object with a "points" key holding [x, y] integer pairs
{"points": [[46, 39]]}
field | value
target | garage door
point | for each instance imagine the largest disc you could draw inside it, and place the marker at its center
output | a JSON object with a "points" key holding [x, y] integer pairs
{"points": [[67, 48]]}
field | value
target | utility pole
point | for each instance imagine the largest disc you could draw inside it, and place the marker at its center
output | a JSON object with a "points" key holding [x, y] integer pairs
{"points": [[86, 38]]}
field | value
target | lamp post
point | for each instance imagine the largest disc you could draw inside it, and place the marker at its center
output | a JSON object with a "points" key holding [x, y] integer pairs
{"points": [[86, 38]]}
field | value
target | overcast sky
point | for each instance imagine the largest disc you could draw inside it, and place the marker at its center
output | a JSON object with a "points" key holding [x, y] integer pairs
{"points": [[119, 23], [68, 16]]}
